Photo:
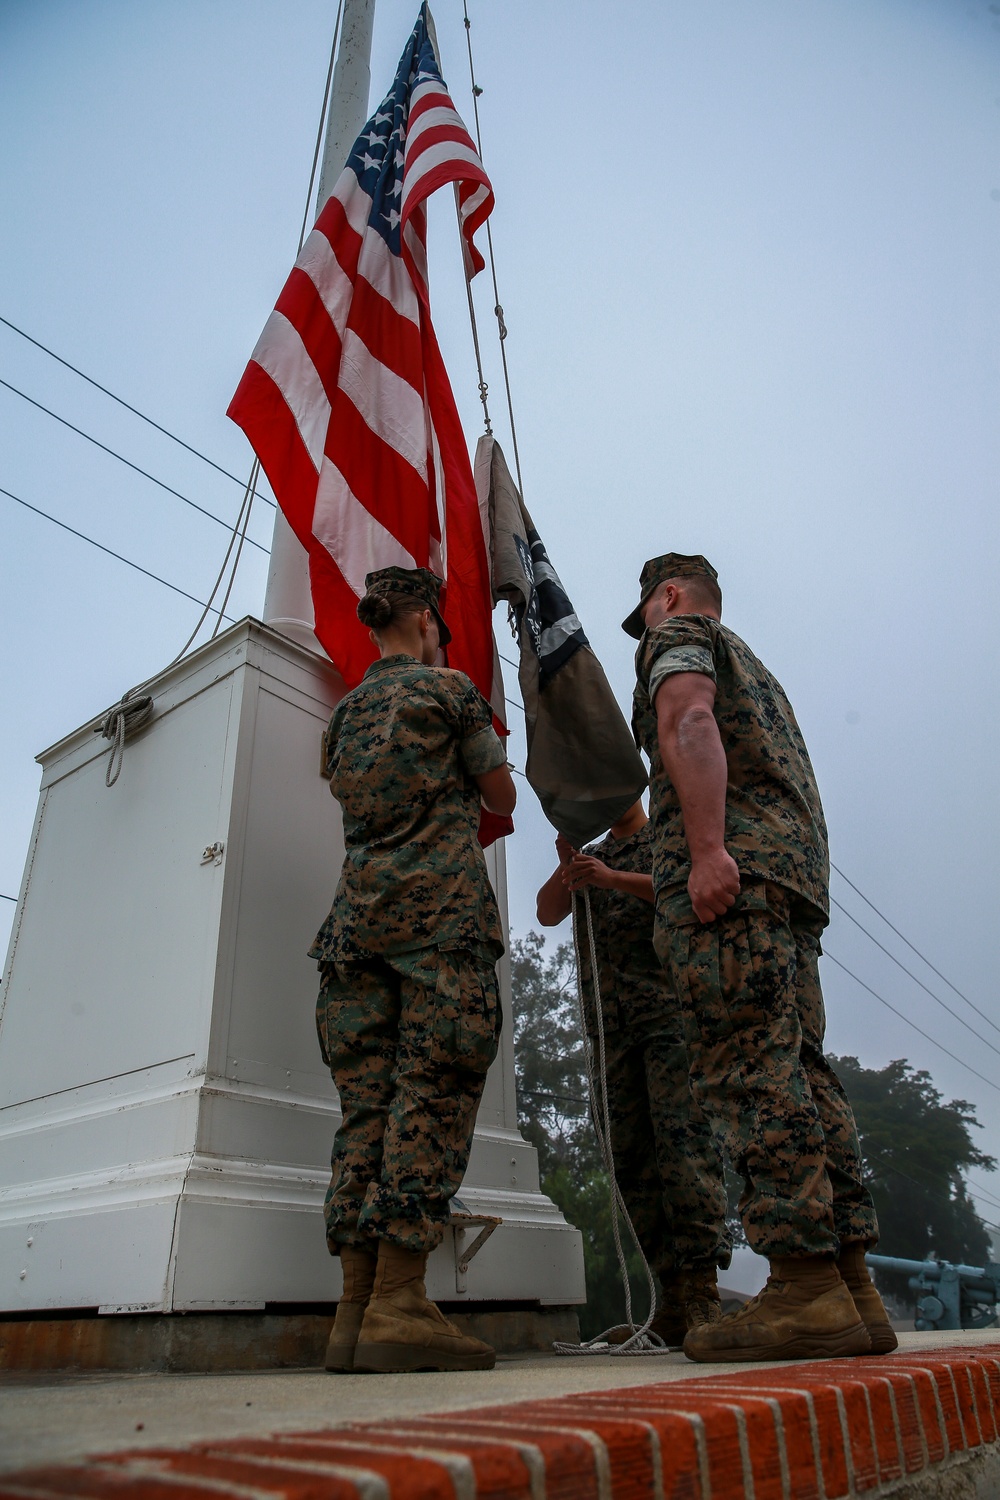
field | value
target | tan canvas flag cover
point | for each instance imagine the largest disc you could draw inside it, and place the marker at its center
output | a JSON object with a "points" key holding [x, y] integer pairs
{"points": [[582, 761]]}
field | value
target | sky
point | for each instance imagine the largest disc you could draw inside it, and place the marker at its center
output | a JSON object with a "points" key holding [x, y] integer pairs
{"points": [[747, 254]]}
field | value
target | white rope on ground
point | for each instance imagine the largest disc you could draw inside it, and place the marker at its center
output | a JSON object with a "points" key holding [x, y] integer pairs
{"points": [[641, 1340], [127, 717]]}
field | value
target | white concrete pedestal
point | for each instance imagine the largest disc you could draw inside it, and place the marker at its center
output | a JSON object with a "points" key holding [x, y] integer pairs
{"points": [[165, 1116]]}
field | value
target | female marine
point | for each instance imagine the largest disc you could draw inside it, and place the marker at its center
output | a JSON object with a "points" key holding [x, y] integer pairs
{"points": [[408, 1013]]}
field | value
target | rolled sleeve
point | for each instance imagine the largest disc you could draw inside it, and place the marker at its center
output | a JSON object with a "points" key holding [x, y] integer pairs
{"points": [[690, 658], [482, 751]]}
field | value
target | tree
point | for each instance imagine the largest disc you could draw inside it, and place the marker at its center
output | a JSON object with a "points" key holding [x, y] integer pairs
{"points": [[554, 1114], [916, 1149], [551, 1078]]}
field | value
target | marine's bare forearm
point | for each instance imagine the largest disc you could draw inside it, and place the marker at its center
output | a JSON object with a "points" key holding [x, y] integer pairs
{"points": [[694, 758], [695, 761]]}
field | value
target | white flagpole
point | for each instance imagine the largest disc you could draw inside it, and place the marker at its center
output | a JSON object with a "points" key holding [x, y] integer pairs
{"points": [[287, 599]]}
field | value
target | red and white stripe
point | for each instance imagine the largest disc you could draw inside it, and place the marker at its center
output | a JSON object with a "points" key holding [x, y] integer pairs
{"points": [[347, 403]]}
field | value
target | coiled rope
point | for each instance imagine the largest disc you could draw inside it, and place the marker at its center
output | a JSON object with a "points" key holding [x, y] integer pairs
{"points": [[641, 1340]]}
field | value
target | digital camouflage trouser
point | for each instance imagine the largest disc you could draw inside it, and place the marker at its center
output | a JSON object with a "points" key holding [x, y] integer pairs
{"points": [[666, 1161], [408, 1041], [749, 985]]}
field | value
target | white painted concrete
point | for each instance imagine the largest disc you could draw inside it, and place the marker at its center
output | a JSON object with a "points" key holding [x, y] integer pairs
{"points": [[165, 1116]]}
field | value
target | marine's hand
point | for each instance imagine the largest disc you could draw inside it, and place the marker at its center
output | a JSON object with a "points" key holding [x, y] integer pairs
{"points": [[714, 884], [564, 849], [584, 869]]}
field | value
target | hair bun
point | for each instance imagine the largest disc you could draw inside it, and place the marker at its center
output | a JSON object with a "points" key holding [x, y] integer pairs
{"points": [[375, 611]]}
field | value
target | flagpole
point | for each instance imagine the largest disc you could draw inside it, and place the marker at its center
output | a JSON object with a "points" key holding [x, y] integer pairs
{"points": [[288, 599]]}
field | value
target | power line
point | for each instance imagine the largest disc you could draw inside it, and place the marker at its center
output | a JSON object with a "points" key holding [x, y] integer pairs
{"points": [[128, 406], [101, 548], [8, 898], [128, 462], [981, 1192], [913, 1024], [944, 1006], [913, 948], [927, 1182], [541, 1094]]}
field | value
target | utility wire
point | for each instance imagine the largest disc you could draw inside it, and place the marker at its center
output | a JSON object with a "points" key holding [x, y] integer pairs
{"points": [[926, 1179], [903, 1017], [541, 1094], [936, 998], [8, 898], [128, 463], [927, 1182], [912, 947], [101, 548], [128, 407], [982, 1192]]}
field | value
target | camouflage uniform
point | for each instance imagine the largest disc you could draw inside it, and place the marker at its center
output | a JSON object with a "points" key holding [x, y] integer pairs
{"points": [[666, 1161], [749, 981], [408, 1014]]}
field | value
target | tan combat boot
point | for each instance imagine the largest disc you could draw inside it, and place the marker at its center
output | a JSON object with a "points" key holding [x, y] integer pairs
{"points": [[690, 1298], [358, 1263], [402, 1330], [804, 1312], [869, 1304]]}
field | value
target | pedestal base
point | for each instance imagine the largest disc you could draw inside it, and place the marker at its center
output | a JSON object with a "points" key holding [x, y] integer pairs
{"points": [[212, 1343], [165, 1117]]}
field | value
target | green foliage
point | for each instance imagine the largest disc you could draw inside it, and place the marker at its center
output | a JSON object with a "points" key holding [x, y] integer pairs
{"points": [[553, 1113], [585, 1199], [551, 1079], [916, 1149]]}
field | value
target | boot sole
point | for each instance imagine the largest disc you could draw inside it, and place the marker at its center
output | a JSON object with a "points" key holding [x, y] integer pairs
{"points": [[883, 1337], [339, 1359], [390, 1359], [849, 1342]]}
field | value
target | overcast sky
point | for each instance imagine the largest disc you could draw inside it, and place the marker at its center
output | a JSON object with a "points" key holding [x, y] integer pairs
{"points": [[748, 257]]}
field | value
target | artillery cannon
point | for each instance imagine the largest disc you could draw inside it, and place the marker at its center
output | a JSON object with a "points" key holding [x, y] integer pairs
{"points": [[950, 1296]]}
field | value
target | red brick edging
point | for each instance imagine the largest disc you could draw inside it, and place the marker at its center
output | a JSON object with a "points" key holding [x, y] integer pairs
{"points": [[826, 1429]]}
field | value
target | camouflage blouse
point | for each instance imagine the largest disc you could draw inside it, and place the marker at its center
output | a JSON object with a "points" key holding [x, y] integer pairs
{"points": [[402, 751], [775, 829], [634, 986]]}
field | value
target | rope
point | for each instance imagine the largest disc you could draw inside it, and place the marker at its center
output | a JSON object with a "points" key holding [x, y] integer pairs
{"points": [[319, 131], [483, 387], [135, 709], [641, 1340], [497, 309]]}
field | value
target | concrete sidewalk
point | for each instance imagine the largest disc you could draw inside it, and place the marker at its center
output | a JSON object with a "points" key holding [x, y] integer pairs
{"points": [[48, 1419]]}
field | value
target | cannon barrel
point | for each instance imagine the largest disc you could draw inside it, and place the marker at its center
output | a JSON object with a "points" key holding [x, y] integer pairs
{"points": [[973, 1276], [950, 1296]]}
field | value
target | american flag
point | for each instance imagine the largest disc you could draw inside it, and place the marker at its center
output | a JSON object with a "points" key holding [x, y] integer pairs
{"points": [[346, 400]]}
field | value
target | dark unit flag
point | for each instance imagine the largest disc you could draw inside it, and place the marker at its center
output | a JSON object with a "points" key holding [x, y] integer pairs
{"points": [[582, 761]]}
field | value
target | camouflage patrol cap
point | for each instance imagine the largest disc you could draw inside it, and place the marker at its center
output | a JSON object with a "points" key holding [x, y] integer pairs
{"points": [[420, 582], [656, 571]]}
